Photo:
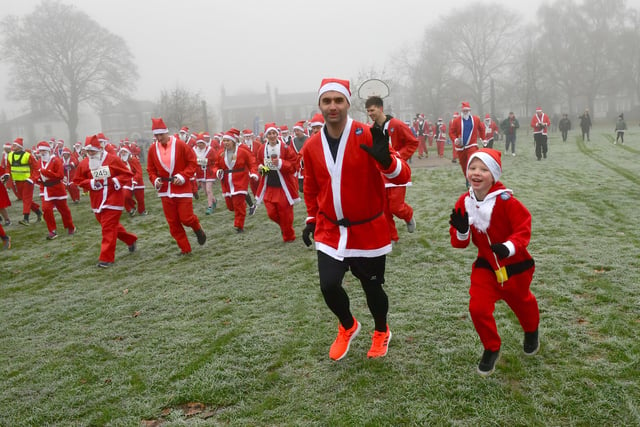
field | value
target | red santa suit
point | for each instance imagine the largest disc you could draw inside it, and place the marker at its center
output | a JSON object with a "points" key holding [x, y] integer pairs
{"points": [[164, 163], [454, 152], [278, 187], [134, 193], [53, 192], [104, 183], [70, 164], [490, 132], [17, 161], [255, 146], [441, 137], [464, 134], [421, 127], [206, 159], [235, 168], [405, 144], [499, 218], [345, 197], [5, 201]]}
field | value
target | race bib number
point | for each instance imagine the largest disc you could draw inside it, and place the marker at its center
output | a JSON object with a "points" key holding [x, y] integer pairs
{"points": [[202, 163], [102, 172]]}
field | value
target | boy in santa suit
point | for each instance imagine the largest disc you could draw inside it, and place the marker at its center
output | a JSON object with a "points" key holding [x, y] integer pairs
{"points": [[53, 191], [405, 144], [70, 164], [540, 123], [464, 133], [278, 187], [136, 189], [205, 176], [440, 136], [255, 146], [344, 191], [490, 131], [235, 165], [500, 226], [170, 165], [103, 175]]}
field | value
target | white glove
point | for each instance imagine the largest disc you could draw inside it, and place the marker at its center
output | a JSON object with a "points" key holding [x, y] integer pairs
{"points": [[458, 142], [116, 183], [157, 183], [220, 174], [178, 179], [96, 185]]}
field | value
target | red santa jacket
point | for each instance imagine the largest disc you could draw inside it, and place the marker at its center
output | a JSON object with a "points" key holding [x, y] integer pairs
{"points": [[206, 162], [456, 131], [183, 163], [540, 123], [346, 197], [137, 182], [70, 165], [421, 126], [490, 131], [441, 133], [104, 192], [499, 218], [401, 137], [288, 163], [51, 180], [237, 170]]}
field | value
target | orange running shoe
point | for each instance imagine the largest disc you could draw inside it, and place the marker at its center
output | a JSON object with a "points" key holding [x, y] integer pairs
{"points": [[340, 346], [379, 344]]}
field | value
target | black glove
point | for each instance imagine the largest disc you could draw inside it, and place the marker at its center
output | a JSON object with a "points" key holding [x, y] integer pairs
{"points": [[309, 229], [379, 150], [501, 250], [459, 221]]}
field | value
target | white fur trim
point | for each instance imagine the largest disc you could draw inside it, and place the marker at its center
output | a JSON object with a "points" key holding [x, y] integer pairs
{"points": [[336, 87], [511, 247]]}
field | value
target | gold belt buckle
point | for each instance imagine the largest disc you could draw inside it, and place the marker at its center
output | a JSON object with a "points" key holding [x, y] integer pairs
{"points": [[502, 275]]}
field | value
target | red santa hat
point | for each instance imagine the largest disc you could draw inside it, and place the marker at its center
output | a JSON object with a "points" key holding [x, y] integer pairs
{"points": [[337, 85], [269, 127], [184, 129], [465, 106], [299, 125], [217, 136], [91, 143], [284, 128], [43, 146], [247, 132], [205, 135], [317, 120], [538, 109], [18, 141], [491, 158], [125, 149], [158, 126], [66, 150], [102, 138], [200, 139], [233, 134], [487, 117]]}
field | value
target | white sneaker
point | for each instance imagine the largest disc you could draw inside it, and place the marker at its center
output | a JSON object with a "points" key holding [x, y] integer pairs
{"points": [[513, 154]]}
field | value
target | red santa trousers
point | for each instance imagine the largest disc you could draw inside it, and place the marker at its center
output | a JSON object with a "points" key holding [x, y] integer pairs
{"points": [[112, 230], [179, 211], [133, 198], [74, 192], [397, 206], [440, 145], [280, 211], [62, 207], [254, 186], [455, 153], [2, 232], [238, 205], [463, 158], [422, 146], [5, 201], [25, 192], [485, 290]]}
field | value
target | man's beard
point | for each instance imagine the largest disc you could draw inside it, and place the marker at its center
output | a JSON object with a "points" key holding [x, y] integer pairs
{"points": [[95, 162]]}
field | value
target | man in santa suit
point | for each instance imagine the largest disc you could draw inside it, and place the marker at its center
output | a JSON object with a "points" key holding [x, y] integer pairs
{"points": [[107, 145], [22, 167], [421, 128], [136, 189], [235, 166], [440, 136], [53, 191], [205, 176], [315, 124], [284, 136], [490, 131], [464, 133], [3, 163], [255, 146], [103, 175], [540, 124], [500, 226], [344, 192], [454, 152], [278, 188], [70, 164], [405, 144], [170, 165]]}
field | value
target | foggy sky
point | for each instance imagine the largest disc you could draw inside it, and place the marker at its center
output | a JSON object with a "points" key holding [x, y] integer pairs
{"points": [[242, 45]]}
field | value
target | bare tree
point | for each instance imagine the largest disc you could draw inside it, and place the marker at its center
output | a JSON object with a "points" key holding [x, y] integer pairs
{"points": [[62, 58], [180, 107]]}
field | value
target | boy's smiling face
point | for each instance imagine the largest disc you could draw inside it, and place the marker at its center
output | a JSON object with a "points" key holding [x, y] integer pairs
{"points": [[479, 177]]}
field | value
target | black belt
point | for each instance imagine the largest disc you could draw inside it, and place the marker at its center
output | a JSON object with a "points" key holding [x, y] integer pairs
{"points": [[234, 170], [51, 183], [512, 269], [345, 222], [166, 179]]}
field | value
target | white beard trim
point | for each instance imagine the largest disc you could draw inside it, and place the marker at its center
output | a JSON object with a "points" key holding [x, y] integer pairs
{"points": [[480, 212]]}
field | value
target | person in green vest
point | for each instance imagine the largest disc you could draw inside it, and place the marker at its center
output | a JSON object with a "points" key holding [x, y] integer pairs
{"points": [[23, 168]]}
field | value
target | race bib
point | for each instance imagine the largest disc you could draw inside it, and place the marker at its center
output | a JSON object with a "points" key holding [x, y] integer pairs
{"points": [[202, 162], [102, 172]]}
